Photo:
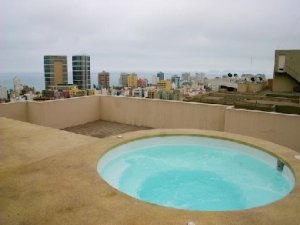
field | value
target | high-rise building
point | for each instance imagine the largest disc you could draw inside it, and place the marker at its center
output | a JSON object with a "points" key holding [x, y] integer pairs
{"points": [[154, 80], [3, 92], [176, 81], [55, 69], [161, 75], [123, 79], [164, 85], [128, 80], [142, 83], [200, 77], [81, 71], [103, 79], [186, 76], [132, 80]]}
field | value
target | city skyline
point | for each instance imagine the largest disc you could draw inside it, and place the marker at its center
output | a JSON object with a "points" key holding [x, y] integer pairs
{"points": [[149, 35]]}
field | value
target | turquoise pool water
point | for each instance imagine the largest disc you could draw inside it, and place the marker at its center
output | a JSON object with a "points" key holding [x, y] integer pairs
{"points": [[195, 173]]}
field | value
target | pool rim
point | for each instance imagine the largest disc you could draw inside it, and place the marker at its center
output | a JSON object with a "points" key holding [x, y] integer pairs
{"points": [[281, 152]]}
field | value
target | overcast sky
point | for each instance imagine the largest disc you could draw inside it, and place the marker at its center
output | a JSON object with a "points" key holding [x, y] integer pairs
{"points": [[132, 35]]}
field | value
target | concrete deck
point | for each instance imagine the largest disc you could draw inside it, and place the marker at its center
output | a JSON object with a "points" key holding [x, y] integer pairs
{"points": [[48, 176]]}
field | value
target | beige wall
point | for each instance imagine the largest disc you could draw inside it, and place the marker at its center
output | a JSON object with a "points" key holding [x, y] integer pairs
{"points": [[250, 87], [65, 112], [162, 114], [255, 87], [242, 87], [57, 113], [283, 129], [283, 83], [292, 58], [17, 110]]}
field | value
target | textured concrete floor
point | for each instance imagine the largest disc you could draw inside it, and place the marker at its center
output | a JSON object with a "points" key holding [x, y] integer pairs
{"points": [[48, 176], [101, 128]]}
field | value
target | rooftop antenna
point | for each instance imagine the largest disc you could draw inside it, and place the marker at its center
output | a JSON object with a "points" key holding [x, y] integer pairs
{"points": [[251, 60]]}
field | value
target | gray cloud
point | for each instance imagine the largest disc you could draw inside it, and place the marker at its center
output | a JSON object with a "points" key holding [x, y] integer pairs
{"points": [[150, 35]]}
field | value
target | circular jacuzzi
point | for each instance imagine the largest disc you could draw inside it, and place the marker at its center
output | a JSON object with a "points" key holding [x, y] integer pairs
{"points": [[196, 173]]}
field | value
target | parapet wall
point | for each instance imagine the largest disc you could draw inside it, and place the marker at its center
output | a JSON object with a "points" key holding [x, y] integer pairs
{"points": [[283, 129], [162, 114], [59, 114], [16, 110]]}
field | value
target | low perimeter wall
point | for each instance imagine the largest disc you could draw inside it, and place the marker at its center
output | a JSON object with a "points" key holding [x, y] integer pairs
{"points": [[59, 114], [16, 110], [162, 114], [283, 129]]}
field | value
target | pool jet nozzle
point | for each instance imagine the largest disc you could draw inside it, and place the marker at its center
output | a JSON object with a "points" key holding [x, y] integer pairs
{"points": [[280, 165]]}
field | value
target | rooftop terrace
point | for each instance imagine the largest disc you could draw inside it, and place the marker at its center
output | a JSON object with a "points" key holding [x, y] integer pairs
{"points": [[48, 175]]}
